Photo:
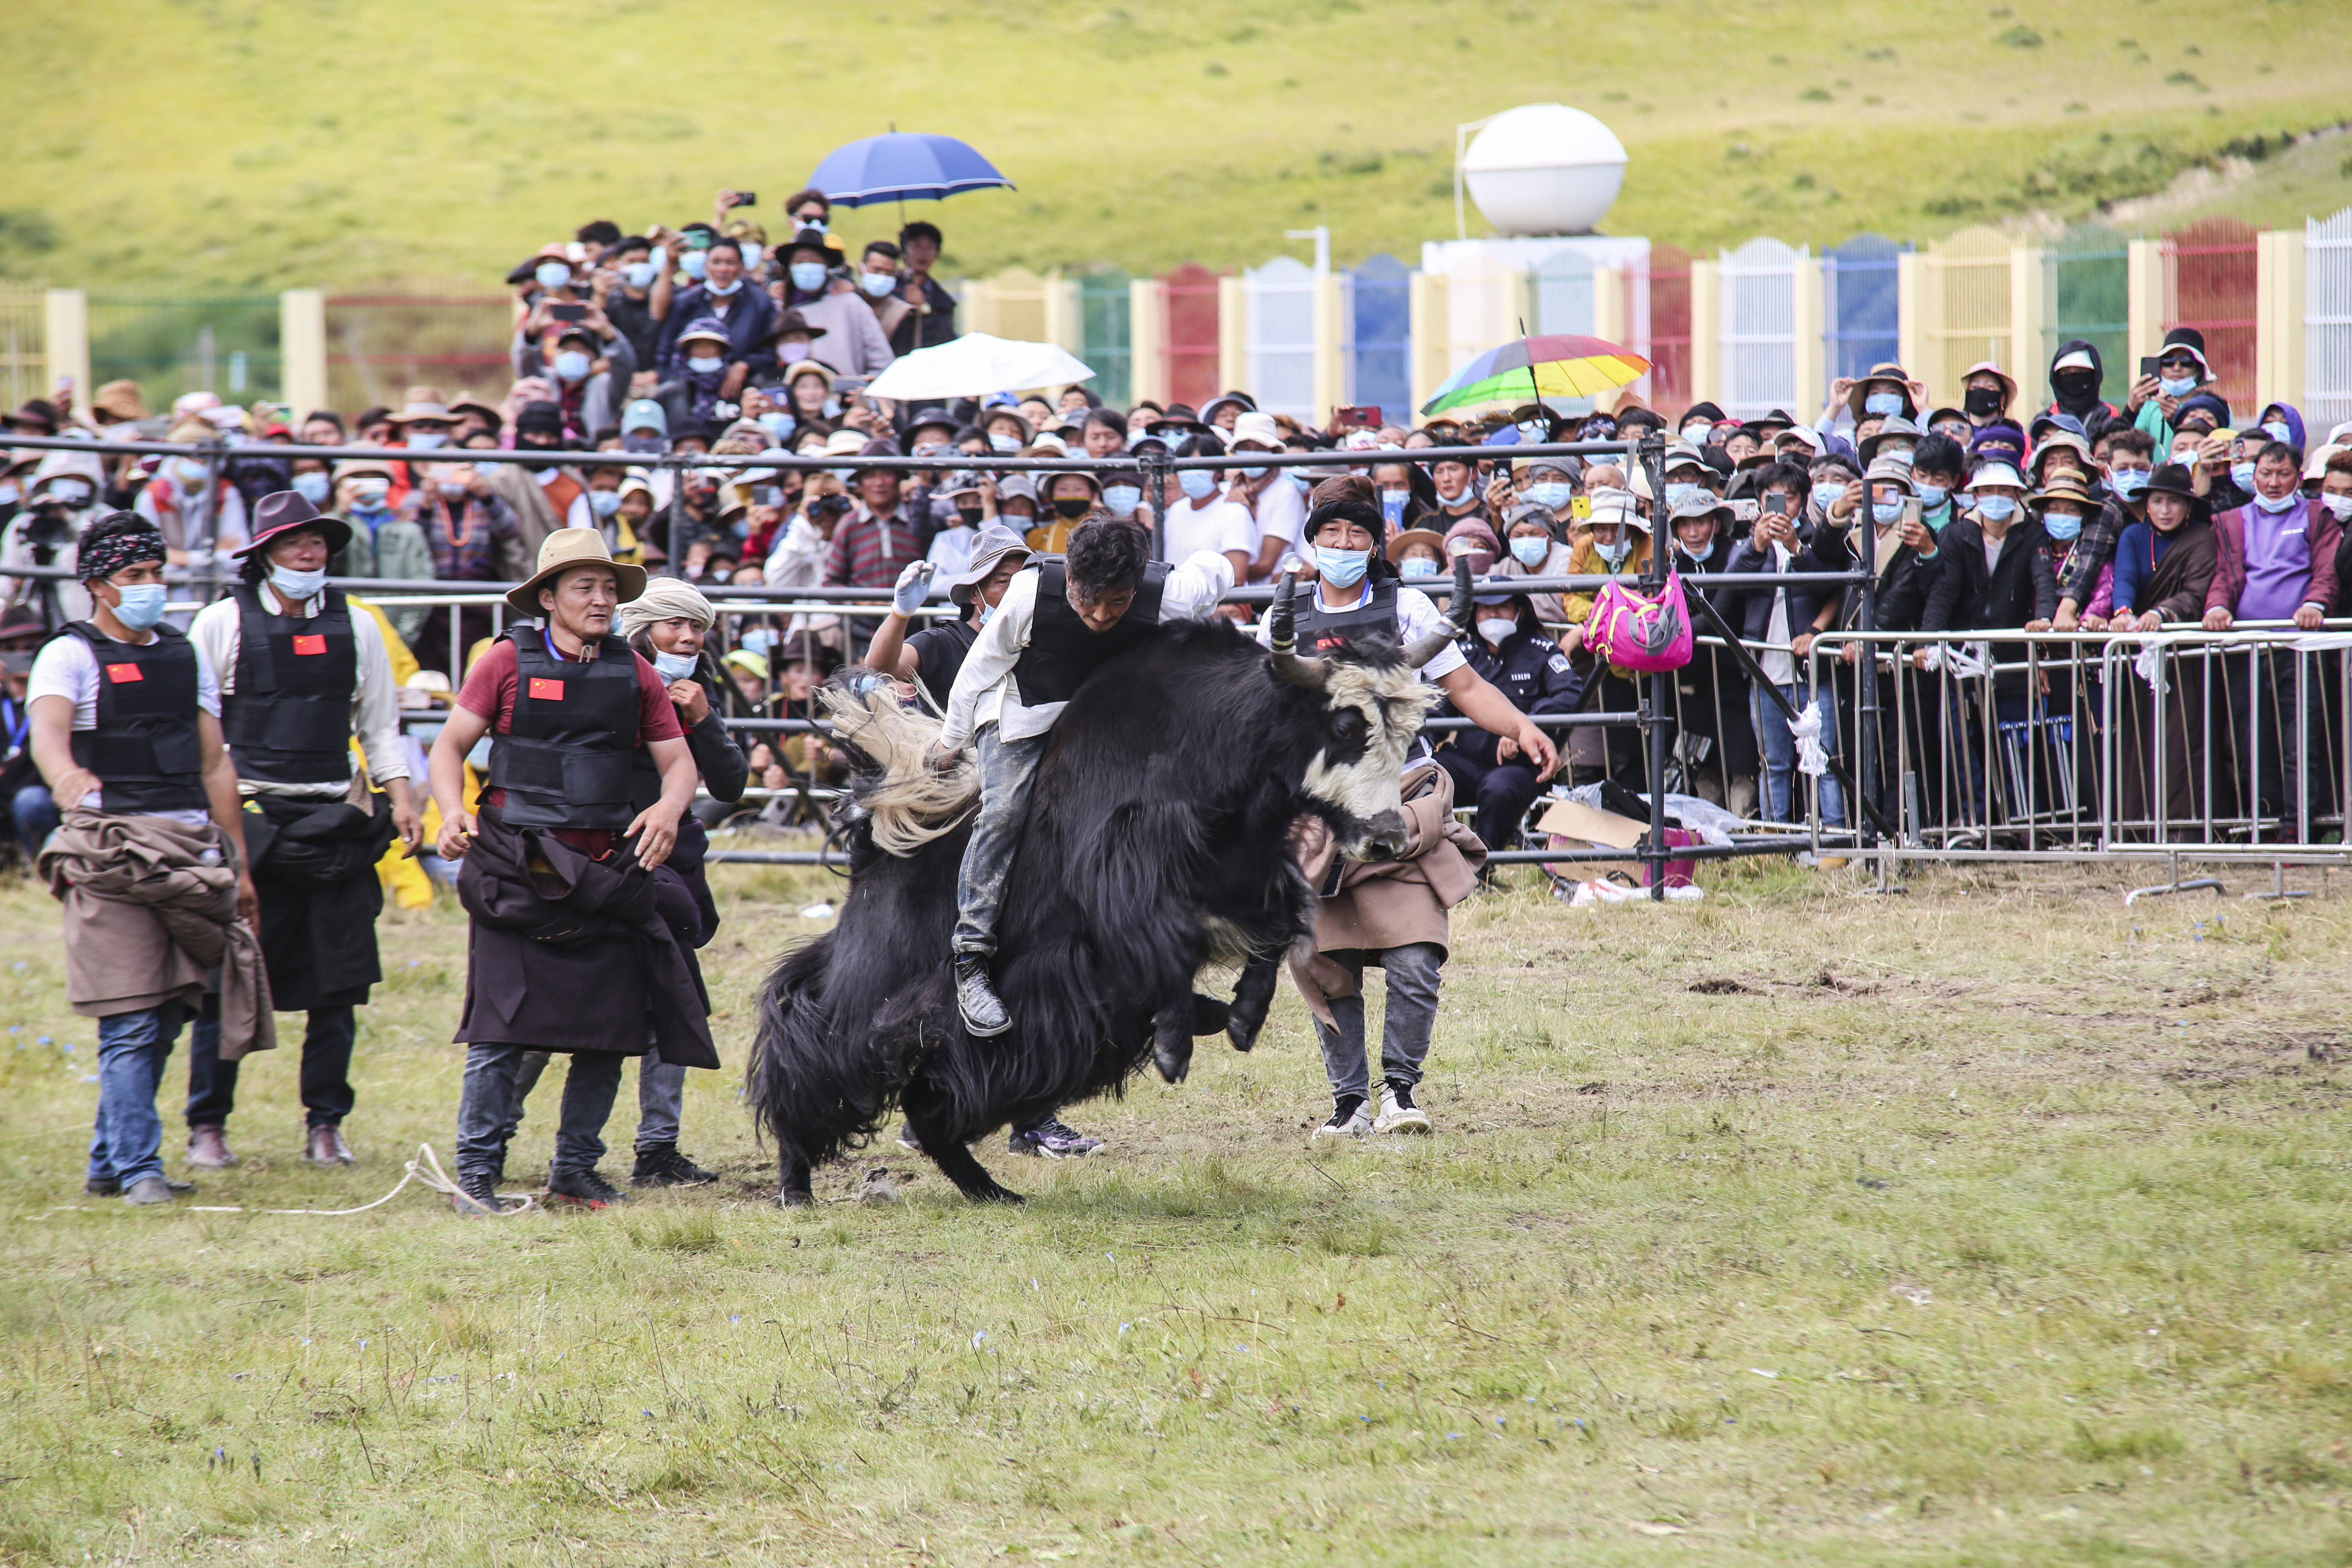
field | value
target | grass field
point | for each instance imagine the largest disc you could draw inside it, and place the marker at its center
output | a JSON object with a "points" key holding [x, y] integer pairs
{"points": [[210, 144], [1994, 1224]]}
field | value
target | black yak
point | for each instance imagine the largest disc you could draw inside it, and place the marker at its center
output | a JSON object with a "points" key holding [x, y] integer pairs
{"points": [[1156, 841]]}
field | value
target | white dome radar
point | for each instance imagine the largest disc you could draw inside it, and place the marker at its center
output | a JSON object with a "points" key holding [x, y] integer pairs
{"points": [[1545, 169]]}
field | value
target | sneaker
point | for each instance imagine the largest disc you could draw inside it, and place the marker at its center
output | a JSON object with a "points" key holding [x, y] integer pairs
{"points": [[1397, 1112], [477, 1195], [661, 1165], [907, 1139], [324, 1145], [1348, 1118], [149, 1190], [983, 1014], [585, 1189], [208, 1148], [1050, 1140]]}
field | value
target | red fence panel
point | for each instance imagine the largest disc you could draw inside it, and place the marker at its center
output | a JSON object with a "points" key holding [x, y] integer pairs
{"points": [[1665, 285], [1193, 345], [2208, 284]]}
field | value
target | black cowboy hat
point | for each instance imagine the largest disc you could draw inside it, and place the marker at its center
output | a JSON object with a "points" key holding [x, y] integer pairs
{"points": [[282, 511]]}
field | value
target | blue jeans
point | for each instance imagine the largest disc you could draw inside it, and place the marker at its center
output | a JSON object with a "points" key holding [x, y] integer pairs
{"points": [[1780, 748], [661, 1096], [1006, 767], [486, 1113], [127, 1143], [35, 816], [1407, 1021]]}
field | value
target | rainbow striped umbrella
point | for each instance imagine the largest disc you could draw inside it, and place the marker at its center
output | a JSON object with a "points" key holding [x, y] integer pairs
{"points": [[1524, 369]]}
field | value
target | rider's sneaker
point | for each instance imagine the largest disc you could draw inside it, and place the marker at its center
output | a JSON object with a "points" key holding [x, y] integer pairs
{"points": [[1050, 1140], [1397, 1112], [1348, 1120]]}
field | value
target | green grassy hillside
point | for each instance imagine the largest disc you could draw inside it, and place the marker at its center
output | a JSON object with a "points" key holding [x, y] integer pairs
{"points": [[225, 143]]}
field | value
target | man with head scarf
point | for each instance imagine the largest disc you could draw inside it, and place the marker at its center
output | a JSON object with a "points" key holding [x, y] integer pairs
{"points": [[149, 861]]}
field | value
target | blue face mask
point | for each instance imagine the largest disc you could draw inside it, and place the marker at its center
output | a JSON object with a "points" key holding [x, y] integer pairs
{"points": [[2285, 503], [2242, 476], [693, 264], [603, 504], [573, 365], [808, 277], [1199, 483], [552, 274], [2128, 482], [1298, 481], [2176, 385], [1997, 509], [1003, 443], [1529, 551], [2064, 527], [722, 290], [1887, 404], [1550, 494], [706, 364], [879, 284], [1340, 568], [674, 666], [312, 488], [1932, 497], [1392, 505], [1122, 500], [640, 274], [1420, 566], [143, 605], [2278, 431], [1678, 493], [778, 422], [1823, 494], [1256, 473], [752, 254], [1887, 512], [298, 585]]}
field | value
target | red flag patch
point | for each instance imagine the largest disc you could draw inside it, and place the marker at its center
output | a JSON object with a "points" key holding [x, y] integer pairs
{"points": [[119, 673], [311, 643], [542, 689]]}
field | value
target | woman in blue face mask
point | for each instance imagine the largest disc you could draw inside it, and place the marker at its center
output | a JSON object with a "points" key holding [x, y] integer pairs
{"points": [[1531, 538]]}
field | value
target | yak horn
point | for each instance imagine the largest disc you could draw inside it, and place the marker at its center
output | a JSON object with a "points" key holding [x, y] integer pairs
{"points": [[1422, 649], [1313, 674]]}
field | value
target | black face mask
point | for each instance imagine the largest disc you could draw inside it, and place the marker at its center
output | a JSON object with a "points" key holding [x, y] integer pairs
{"points": [[2075, 385], [970, 515], [524, 445], [1073, 507], [1981, 402]]}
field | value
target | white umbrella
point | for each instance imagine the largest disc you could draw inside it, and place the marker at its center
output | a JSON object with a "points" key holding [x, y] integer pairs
{"points": [[974, 366]]}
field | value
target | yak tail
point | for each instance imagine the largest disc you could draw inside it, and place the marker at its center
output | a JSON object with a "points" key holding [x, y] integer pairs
{"points": [[806, 1092], [910, 802]]}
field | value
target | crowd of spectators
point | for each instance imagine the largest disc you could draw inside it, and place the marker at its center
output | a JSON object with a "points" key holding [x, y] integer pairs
{"points": [[2112, 507]]}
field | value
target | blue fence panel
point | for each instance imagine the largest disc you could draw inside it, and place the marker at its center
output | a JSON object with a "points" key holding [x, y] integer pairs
{"points": [[1379, 351], [1859, 306]]}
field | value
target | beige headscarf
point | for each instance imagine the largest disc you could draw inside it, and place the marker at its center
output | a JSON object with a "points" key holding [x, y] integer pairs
{"points": [[665, 599]]}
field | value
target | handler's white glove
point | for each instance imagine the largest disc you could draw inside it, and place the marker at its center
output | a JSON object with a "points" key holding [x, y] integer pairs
{"points": [[914, 585]]}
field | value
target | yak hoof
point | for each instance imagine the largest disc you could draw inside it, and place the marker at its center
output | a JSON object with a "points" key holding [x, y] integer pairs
{"points": [[1172, 1058], [793, 1198], [1242, 1031]]}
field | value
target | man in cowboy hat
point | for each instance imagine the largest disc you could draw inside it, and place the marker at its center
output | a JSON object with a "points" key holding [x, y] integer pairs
{"points": [[559, 846], [300, 675]]}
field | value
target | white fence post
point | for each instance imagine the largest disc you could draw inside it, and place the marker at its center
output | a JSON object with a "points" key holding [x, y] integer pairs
{"points": [[2327, 320], [302, 351], [1758, 331], [64, 314], [1279, 313]]}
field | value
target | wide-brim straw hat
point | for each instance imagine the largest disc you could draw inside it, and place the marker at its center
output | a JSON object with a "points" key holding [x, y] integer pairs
{"points": [[560, 553]]}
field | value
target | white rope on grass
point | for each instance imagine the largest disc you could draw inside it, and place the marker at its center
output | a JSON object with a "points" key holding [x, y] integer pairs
{"points": [[425, 1168]]}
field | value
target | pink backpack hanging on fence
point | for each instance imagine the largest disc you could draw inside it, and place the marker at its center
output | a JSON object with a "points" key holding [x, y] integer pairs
{"points": [[1634, 633]]}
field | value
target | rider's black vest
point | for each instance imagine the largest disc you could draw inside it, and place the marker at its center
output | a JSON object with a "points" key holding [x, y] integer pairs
{"points": [[1320, 630], [145, 750], [290, 719], [1062, 651], [566, 761]]}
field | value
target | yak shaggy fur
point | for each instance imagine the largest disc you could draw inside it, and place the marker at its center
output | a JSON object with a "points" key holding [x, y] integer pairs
{"points": [[1158, 834]]}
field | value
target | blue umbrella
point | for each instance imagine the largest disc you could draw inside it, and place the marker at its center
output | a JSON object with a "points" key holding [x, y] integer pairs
{"points": [[903, 166]]}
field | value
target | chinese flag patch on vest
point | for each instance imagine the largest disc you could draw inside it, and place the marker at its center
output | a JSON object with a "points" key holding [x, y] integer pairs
{"points": [[542, 689], [119, 673], [309, 643]]}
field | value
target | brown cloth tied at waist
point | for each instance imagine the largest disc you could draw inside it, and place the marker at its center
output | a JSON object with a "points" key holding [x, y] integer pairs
{"points": [[1379, 904], [146, 917], [572, 954]]}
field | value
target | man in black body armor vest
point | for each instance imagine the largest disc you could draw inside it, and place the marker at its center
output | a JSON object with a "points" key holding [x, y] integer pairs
{"points": [[579, 932], [300, 673], [149, 859], [1063, 619], [1358, 595]]}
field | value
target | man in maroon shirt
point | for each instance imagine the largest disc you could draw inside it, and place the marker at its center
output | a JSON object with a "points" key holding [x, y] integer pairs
{"points": [[871, 549], [567, 704]]}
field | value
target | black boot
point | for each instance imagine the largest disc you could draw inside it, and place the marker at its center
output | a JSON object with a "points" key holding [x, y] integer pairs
{"points": [[983, 1014], [661, 1165]]}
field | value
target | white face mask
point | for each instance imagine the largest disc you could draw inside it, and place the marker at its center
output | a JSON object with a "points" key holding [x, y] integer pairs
{"points": [[1495, 628], [674, 666], [297, 585]]}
